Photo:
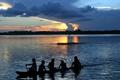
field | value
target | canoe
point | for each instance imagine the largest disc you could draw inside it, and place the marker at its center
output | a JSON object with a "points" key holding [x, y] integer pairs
{"points": [[23, 74], [70, 43]]}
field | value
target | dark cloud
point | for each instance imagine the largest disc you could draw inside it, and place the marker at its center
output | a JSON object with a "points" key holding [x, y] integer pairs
{"points": [[31, 3], [59, 9], [17, 9], [102, 20], [51, 9], [87, 9]]}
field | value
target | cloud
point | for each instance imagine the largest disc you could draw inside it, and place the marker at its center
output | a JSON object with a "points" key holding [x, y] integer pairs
{"points": [[55, 9], [37, 3], [59, 9], [5, 6], [102, 20], [64, 10]]}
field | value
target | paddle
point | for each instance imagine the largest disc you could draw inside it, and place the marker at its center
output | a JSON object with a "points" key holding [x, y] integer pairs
{"points": [[27, 67]]}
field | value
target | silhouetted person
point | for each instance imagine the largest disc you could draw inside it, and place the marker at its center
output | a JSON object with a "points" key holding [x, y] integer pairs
{"points": [[76, 66], [63, 68], [33, 68], [51, 66], [41, 70], [51, 69]]}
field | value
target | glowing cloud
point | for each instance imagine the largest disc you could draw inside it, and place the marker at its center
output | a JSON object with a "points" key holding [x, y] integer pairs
{"points": [[5, 6], [30, 24], [106, 8], [72, 26], [75, 26]]}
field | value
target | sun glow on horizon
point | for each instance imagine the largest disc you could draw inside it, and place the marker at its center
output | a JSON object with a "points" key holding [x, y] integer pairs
{"points": [[56, 25], [5, 6], [73, 26], [32, 24]]}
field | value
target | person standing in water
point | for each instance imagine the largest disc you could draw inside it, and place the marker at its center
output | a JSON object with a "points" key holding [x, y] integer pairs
{"points": [[63, 66], [52, 69], [33, 66], [51, 66], [41, 70], [76, 65]]}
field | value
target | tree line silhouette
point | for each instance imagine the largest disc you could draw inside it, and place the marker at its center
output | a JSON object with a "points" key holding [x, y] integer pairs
{"points": [[59, 32]]}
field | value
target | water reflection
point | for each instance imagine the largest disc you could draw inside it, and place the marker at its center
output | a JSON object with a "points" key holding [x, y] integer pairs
{"points": [[66, 47], [15, 51], [51, 39], [4, 54], [75, 39]]}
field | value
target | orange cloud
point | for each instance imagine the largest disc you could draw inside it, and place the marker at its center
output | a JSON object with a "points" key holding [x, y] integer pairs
{"points": [[51, 27]]}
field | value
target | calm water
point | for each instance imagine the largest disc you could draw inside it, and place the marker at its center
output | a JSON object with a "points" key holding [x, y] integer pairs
{"points": [[100, 54]]}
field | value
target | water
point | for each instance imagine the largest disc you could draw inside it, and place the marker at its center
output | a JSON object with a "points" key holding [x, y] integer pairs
{"points": [[100, 54]]}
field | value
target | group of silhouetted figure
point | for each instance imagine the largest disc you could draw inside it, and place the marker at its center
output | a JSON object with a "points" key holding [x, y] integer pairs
{"points": [[41, 71]]}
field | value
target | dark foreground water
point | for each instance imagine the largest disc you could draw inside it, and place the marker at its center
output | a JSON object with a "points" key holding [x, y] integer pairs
{"points": [[100, 54]]}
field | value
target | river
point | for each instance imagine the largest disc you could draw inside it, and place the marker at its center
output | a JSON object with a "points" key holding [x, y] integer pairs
{"points": [[99, 53]]}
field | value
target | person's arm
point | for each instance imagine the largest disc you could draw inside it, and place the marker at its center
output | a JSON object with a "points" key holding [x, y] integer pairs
{"points": [[59, 66], [28, 65], [48, 65], [72, 65], [44, 68]]}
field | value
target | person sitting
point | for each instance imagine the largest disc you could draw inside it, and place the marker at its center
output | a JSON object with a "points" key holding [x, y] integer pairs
{"points": [[63, 66], [51, 66], [76, 65], [33, 66], [41, 70]]}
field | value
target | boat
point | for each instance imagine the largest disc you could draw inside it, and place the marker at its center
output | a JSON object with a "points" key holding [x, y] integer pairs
{"points": [[70, 43], [25, 74]]}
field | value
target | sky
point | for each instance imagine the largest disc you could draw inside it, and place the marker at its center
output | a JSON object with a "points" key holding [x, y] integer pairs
{"points": [[95, 3], [99, 3], [88, 14]]}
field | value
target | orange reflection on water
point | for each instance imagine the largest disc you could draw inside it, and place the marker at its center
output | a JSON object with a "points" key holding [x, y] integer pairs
{"points": [[52, 39], [62, 48], [62, 39], [59, 49], [75, 39]]}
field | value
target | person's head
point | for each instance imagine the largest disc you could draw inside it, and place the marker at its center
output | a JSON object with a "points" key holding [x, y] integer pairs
{"points": [[43, 62], [33, 60], [52, 60], [62, 61], [75, 58]]}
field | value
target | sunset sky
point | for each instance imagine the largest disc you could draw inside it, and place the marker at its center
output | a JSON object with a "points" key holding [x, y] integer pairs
{"points": [[50, 15], [30, 24]]}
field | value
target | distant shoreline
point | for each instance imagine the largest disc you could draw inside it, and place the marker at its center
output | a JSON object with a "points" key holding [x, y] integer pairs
{"points": [[59, 32]]}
